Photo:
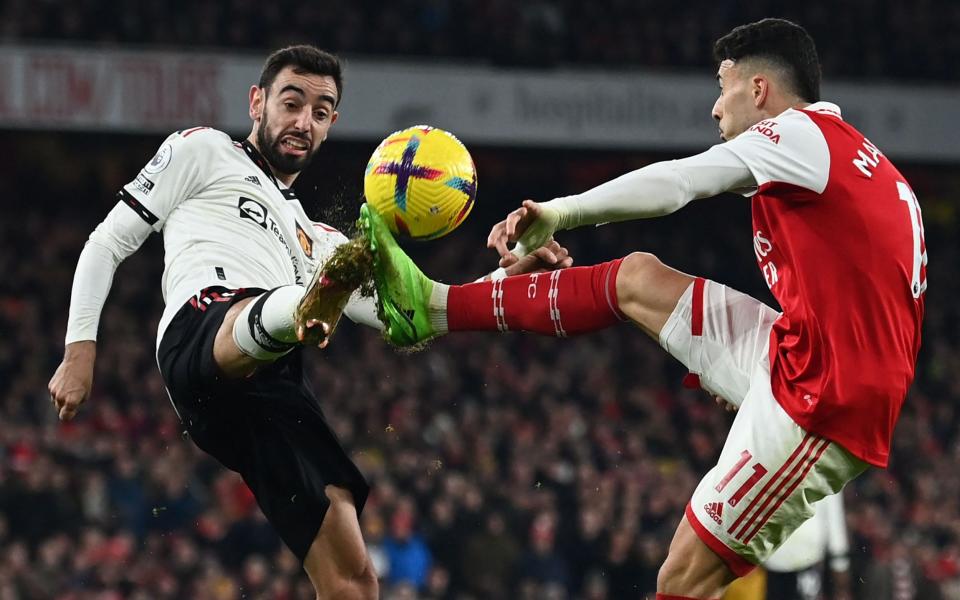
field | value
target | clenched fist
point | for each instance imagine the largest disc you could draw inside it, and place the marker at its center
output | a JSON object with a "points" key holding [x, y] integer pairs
{"points": [[70, 385]]}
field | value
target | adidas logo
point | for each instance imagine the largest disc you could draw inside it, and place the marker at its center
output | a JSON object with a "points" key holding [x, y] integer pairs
{"points": [[715, 510], [408, 314], [252, 179]]}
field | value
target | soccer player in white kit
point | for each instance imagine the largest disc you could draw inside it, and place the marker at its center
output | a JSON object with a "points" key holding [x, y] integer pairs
{"points": [[245, 288], [838, 237]]}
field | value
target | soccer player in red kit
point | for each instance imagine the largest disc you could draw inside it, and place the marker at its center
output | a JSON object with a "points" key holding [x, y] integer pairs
{"points": [[838, 236]]}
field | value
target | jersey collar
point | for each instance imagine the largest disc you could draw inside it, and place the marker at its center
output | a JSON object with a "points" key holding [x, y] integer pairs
{"points": [[828, 108], [264, 166]]}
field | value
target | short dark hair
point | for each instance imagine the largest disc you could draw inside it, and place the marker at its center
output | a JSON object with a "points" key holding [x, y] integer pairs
{"points": [[304, 59], [781, 42]]}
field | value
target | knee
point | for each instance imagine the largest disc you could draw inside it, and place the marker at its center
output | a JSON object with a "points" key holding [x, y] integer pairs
{"points": [[636, 272], [693, 571], [351, 584], [672, 573], [338, 562], [363, 586], [367, 583], [362, 577]]}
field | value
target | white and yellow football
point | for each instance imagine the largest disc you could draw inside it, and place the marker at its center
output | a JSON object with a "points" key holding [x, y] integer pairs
{"points": [[422, 181]]}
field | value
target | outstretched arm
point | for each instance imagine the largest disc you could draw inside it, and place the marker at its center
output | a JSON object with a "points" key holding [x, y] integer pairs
{"points": [[120, 234], [145, 203], [655, 190]]}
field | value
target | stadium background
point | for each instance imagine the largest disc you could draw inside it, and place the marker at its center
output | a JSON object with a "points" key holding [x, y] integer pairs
{"points": [[503, 467]]}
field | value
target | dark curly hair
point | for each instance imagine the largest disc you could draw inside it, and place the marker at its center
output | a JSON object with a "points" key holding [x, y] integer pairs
{"points": [[304, 59], [781, 42]]}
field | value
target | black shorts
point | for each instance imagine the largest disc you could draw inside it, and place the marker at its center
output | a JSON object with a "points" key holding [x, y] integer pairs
{"points": [[269, 427]]}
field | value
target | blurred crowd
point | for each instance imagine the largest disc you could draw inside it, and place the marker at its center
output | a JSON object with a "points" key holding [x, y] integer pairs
{"points": [[502, 466], [869, 38]]}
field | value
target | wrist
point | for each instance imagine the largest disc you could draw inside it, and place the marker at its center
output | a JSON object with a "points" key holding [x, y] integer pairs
{"points": [[500, 273], [566, 212], [80, 351]]}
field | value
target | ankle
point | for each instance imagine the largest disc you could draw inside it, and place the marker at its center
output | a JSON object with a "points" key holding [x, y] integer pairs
{"points": [[437, 307]]}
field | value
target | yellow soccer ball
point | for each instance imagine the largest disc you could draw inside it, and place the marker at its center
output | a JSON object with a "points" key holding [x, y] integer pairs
{"points": [[422, 181]]}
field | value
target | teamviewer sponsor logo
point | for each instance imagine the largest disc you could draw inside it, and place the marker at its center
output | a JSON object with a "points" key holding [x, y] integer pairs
{"points": [[253, 210], [715, 510], [256, 212]]}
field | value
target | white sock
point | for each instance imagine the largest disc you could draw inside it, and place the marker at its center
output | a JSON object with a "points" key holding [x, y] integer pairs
{"points": [[265, 328], [437, 307]]}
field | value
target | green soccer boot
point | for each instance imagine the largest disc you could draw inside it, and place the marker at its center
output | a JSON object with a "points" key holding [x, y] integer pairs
{"points": [[411, 306]]}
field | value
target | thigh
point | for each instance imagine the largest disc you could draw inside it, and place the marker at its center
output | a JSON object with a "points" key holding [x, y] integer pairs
{"points": [[186, 350], [769, 475], [228, 358], [720, 335], [338, 552], [269, 428], [289, 455]]}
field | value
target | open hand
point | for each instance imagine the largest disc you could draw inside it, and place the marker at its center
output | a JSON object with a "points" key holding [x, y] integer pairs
{"points": [[727, 406], [548, 257], [531, 226]]}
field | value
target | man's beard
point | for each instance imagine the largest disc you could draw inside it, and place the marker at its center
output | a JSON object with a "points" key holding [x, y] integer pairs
{"points": [[270, 149]]}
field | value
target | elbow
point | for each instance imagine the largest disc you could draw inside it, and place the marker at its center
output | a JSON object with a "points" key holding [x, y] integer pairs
{"points": [[675, 185], [98, 245]]}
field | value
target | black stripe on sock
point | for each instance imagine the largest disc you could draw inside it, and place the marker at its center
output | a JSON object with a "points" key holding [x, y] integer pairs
{"points": [[259, 333]]}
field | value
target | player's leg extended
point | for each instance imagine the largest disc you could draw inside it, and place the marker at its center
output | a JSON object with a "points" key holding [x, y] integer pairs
{"points": [[261, 329], [561, 303], [337, 563], [648, 291], [232, 362], [257, 331]]}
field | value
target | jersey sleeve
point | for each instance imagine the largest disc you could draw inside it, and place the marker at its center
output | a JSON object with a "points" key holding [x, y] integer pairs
{"points": [[91, 285], [171, 176], [118, 236], [789, 149], [145, 203], [655, 190]]}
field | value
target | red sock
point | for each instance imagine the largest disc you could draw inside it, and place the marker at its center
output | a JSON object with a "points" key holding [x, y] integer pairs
{"points": [[561, 303], [672, 597]]}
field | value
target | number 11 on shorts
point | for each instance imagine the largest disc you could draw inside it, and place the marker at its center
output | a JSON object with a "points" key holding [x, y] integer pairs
{"points": [[758, 472]]}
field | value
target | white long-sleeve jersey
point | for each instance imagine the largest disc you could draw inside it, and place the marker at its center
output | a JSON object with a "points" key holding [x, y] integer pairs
{"points": [[225, 220]]}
